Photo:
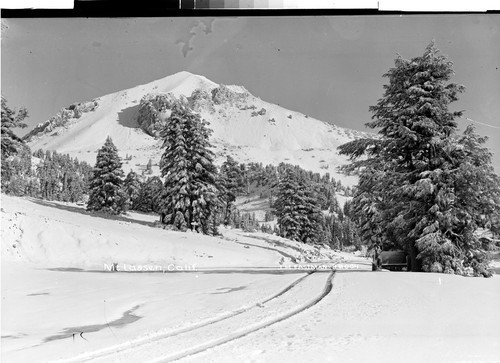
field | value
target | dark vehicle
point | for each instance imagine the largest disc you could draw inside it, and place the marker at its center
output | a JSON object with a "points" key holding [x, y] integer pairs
{"points": [[393, 261]]}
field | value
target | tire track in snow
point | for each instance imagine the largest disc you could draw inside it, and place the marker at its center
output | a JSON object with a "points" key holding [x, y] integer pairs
{"points": [[110, 351], [284, 254], [244, 332]]}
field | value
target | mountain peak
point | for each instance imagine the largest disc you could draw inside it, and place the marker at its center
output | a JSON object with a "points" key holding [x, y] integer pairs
{"points": [[244, 126], [180, 83]]}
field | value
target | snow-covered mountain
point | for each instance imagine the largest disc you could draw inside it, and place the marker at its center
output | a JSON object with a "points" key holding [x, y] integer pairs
{"points": [[244, 126]]}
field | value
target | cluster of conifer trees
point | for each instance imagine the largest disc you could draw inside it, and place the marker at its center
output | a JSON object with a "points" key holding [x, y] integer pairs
{"points": [[424, 187], [196, 195], [46, 175]]}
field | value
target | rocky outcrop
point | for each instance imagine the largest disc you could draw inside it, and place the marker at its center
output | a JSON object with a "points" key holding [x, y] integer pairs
{"points": [[154, 110], [261, 112], [200, 100], [74, 111], [223, 94]]}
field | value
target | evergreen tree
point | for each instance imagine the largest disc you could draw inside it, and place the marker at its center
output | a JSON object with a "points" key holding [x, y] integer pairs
{"points": [[106, 193], [268, 216], [215, 221], [11, 119], [297, 209], [235, 218], [132, 186], [423, 187], [336, 233], [229, 180], [17, 177], [16, 156], [180, 221], [189, 171], [39, 154], [149, 167], [150, 195], [311, 216], [285, 206]]}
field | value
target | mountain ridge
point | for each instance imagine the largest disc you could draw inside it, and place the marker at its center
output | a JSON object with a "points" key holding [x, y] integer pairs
{"points": [[244, 126]]}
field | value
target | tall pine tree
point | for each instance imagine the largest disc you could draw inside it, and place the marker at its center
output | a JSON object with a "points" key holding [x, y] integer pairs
{"points": [[132, 186], [11, 119], [423, 187], [190, 193], [106, 192], [15, 154], [297, 208], [229, 177], [150, 195]]}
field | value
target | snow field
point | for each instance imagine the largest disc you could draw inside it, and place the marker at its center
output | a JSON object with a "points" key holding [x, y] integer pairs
{"points": [[45, 307], [257, 316], [382, 317]]}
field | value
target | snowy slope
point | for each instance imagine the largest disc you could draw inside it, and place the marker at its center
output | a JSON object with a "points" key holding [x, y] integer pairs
{"points": [[272, 135], [64, 235], [58, 234]]}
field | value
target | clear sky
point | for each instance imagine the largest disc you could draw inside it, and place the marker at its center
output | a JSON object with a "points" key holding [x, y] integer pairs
{"points": [[327, 67]]}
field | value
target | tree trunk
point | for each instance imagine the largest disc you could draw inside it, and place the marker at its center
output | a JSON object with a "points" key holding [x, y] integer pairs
{"points": [[415, 263]]}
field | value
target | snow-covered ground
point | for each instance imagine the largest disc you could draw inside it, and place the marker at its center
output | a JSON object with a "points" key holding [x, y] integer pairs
{"points": [[63, 235], [58, 234], [248, 297], [42, 308], [383, 317]]}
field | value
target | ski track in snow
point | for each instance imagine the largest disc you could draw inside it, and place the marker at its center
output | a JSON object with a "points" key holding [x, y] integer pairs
{"points": [[204, 335]]}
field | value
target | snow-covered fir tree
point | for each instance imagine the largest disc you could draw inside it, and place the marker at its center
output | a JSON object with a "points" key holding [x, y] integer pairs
{"points": [[150, 195], [132, 186], [297, 208], [11, 119], [106, 192], [16, 155], [190, 195], [229, 181], [149, 167], [423, 187]]}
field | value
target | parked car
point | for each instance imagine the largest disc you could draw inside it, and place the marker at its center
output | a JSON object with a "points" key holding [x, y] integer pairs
{"points": [[392, 260]]}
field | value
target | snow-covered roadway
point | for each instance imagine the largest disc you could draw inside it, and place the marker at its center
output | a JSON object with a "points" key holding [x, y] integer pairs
{"points": [[382, 317], [301, 294]]}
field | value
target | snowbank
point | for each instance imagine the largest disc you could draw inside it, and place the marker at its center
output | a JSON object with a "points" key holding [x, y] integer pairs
{"points": [[54, 234]]}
